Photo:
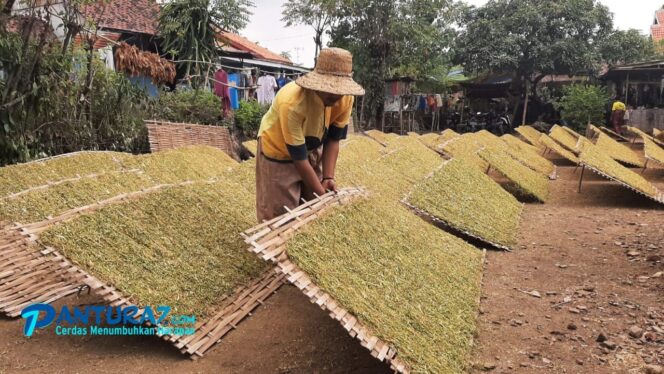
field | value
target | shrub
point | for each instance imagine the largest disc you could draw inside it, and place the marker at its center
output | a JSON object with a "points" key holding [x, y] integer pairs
{"points": [[190, 106], [582, 104], [248, 117]]}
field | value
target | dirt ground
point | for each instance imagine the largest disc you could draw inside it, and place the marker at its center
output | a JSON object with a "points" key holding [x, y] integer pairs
{"points": [[592, 257]]}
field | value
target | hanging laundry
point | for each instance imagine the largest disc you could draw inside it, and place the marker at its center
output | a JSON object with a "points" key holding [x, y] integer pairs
{"points": [[266, 88], [221, 90], [439, 101]]}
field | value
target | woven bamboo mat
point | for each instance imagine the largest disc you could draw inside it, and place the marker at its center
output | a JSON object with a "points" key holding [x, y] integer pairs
{"points": [[167, 135], [30, 273], [268, 241]]}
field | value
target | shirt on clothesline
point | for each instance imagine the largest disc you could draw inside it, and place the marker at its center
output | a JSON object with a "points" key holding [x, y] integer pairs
{"points": [[266, 86]]}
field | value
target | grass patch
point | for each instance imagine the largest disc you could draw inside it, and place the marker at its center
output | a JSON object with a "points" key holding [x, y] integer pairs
{"points": [[528, 181], [598, 159], [554, 146], [617, 151], [468, 200], [531, 135], [179, 247], [19, 177], [171, 166], [559, 134], [414, 285]]}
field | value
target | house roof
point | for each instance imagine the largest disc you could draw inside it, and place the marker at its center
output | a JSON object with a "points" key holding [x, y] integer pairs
{"points": [[102, 40], [659, 17], [238, 42], [657, 28], [138, 16]]}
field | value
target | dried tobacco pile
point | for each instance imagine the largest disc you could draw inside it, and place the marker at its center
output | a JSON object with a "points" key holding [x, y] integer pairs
{"points": [[531, 135], [617, 151], [415, 286], [554, 146], [389, 171], [20, 177], [528, 158], [572, 132], [659, 134], [449, 134], [465, 148], [653, 151], [379, 136], [179, 247], [558, 134], [596, 157], [251, 146], [431, 140], [517, 143], [643, 135], [470, 201], [528, 181], [167, 167]]}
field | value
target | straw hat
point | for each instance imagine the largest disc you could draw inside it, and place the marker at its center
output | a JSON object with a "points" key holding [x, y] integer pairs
{"points": [[333, 74]]}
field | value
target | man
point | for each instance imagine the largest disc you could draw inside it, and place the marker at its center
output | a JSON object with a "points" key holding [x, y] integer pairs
{"points": [[298, 140], [618, 116]]}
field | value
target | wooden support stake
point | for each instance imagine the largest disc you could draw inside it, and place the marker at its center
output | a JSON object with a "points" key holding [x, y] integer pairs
{"points": [[583, 169]]}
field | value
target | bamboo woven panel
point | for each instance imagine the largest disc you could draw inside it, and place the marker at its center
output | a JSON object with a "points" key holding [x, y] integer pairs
{"points": [[27, 277], [31, 274], [167, 135], [659, 197], [269, 241]]}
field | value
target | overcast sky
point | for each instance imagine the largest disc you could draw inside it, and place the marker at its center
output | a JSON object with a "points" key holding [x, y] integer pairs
{"points": [[267, 29]]}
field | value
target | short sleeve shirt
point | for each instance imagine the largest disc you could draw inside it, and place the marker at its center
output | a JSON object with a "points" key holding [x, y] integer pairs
{"points": [[298, 122]]}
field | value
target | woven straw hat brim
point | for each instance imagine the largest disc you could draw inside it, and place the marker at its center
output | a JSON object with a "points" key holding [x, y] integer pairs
{"points": [[334, 84]]}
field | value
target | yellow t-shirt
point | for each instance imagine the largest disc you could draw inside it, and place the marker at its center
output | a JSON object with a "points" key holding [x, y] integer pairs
{"points": [[298, 122], [618, 105]]}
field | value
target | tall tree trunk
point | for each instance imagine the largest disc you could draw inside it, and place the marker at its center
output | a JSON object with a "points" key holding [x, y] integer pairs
{"points": [[525, 103]]}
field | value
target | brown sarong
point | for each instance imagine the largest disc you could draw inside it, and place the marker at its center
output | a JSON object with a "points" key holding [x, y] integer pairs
{"points": [[279, 185]]}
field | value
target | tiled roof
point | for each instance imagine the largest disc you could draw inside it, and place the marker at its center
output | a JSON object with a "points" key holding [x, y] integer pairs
{"points": [[657, 32], [16, 24], [659, 16], [244, 44], [103, 39], [126, 15]]}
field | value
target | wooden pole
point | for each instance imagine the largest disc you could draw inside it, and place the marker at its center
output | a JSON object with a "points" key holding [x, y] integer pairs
{"points": [[525, 103], [583, 168]]}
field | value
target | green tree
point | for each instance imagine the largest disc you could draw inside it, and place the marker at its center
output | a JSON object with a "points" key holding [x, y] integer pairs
{"points": [[319, 14], [533, 38], [624, 47], [388, 38], [582, 104], [189, 31]]}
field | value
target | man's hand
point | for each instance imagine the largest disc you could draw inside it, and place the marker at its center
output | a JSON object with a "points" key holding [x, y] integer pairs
{"points": [[330, 185]]}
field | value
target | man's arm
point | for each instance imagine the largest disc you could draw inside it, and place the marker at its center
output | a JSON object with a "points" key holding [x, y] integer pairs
{"points": [[309, 176], [330, 155]]}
